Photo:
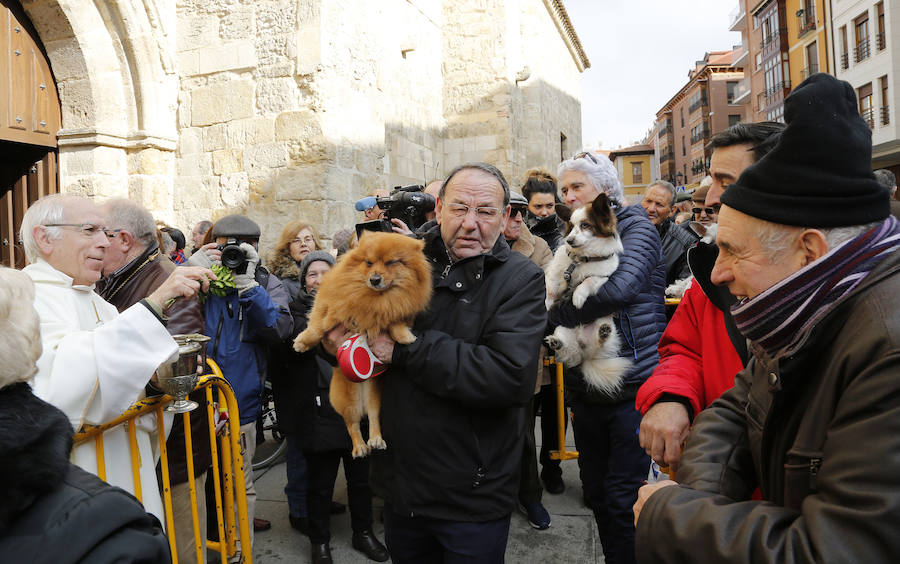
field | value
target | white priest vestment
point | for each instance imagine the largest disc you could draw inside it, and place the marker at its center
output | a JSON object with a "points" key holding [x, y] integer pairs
{"points": [[94, 364]]}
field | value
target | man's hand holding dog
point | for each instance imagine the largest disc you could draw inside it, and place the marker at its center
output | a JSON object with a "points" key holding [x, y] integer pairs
{"points": [[383, 347]]}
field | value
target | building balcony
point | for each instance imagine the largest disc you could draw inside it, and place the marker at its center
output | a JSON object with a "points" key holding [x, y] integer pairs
{"points": [[885, 115], [701, 135], [806, 22], [740, 56], [845, 61], [880, 41], [810, 70], [665, 130], [666, 155], [867, 116], [861, 52], [772, 42], [697, 105], [737, 18], [776, 93], [741, 91]]}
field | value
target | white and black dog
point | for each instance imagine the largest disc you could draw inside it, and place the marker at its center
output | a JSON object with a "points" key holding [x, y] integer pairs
{"points": [[579, 269]]}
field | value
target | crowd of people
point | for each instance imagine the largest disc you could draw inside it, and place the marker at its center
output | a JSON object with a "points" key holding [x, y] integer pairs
{"points": [[768, 397]]}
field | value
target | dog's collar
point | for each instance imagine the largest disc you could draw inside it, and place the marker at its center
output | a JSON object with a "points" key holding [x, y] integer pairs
{"points": [[576, 260]]}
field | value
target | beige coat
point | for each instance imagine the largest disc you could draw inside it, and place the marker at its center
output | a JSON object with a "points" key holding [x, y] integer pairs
{"points": [[540, 254]]}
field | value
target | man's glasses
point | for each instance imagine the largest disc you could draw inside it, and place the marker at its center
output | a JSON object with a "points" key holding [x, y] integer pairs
{"points": [[513, 210], [308, 241], [87, 229], [482, 213], [709, 211], [586, 155]]}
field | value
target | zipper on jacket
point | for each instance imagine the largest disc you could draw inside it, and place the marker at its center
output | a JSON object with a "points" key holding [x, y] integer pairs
{"points": [[215, 353], [814, 464]]}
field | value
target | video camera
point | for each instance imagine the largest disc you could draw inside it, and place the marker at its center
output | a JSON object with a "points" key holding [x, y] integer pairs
{"points": [[407, 203]]}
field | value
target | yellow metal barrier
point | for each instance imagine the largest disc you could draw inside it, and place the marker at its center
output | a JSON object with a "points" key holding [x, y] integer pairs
{"points": [[231, 466], [562, 453]]}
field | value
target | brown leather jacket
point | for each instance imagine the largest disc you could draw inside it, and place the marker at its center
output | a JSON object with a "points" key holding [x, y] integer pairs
{"points": [[818, 432], [129, 285]]}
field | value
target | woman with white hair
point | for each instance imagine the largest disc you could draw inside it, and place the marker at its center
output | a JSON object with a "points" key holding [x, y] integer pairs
{"points": [[611, 461], [52, 510]]}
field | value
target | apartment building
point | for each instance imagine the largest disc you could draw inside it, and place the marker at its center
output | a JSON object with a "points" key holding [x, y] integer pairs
{"points": [[636, 168], [709, 102], [807, 36], [866, 49]]}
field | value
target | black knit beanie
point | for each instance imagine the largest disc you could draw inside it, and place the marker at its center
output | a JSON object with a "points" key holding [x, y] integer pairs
{"points": [[819, 174]]}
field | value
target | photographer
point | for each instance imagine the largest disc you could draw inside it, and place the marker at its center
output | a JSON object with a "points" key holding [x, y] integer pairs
{"points": [[241, 323]]}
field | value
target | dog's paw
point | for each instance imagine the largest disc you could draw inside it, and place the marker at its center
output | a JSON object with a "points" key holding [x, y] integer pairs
{"points": [[603, 332], [360, 450], [581, 295], [377, 442], [553, 342], [299, 345]]}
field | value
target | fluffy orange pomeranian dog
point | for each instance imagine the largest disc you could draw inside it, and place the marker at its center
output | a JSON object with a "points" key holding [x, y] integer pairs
{"points": [[379, 286]]}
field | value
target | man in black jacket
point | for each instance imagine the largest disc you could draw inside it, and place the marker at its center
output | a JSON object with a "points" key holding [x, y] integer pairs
{"points": [[453, 401]]}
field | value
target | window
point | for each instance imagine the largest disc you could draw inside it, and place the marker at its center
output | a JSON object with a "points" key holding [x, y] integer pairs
{"points": [[844, 58], [637, 173], [865, 103], [683, 147], [758, 61], [812, 59], [885, 101], [861, 27], [733, 119], [730, 88], [880, 42], [682, 116]]}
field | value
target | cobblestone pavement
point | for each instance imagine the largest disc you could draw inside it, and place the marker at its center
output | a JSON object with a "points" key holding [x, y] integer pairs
{"points": [[571, 538]]}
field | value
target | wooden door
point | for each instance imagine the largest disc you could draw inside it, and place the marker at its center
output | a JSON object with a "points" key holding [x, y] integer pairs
{"points": [[29, 122]]}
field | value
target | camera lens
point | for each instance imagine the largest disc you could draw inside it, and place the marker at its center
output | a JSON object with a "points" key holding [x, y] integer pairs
{"points": [[233, 256]]}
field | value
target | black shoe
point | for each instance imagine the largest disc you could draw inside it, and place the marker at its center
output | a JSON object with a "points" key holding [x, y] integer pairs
{"points": [[554, 484], [321, 554], [366, 543], [300, 523], [337, 507]]}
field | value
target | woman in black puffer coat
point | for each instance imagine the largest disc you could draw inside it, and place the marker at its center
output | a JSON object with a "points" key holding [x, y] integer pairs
{"points": [[320, 432]]}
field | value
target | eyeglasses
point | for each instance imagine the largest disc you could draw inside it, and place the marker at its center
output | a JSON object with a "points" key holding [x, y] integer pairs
{"points": [[87, 229], [517, 210], [482, 213], [586, 155], [112, 233], [709, 211], [308, 241]]}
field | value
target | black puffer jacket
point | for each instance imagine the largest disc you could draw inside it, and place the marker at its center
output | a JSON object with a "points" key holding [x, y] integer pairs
{"points": [[818, 432], [301, 391], [635, 292], [676, 241], [549, 228], [54, 512], [452, 403]]}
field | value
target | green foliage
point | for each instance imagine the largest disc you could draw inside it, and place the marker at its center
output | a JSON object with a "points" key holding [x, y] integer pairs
{"points": [[219, 287]]}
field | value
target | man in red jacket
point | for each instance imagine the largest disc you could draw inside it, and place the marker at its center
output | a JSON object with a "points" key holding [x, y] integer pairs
{"points": [[700, 351]]}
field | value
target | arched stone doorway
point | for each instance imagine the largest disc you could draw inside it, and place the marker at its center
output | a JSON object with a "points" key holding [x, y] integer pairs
{"points": [[29, 121]]}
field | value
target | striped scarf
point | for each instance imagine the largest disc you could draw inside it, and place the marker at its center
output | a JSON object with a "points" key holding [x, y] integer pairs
{"points": [[778, 319]]}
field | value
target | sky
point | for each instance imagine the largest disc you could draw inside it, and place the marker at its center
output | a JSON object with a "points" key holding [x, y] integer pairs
{"points": [[640, 53]]}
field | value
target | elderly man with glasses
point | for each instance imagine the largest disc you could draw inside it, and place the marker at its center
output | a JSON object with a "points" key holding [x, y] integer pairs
{"points": [[96, 362], [611, 461]]}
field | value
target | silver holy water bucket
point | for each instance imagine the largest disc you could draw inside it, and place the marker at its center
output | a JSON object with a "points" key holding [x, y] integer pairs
{"points": [[178, 375]]}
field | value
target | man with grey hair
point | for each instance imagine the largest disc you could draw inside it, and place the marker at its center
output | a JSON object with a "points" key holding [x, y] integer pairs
{"points": [[610, 460], [96, 362], [453, 402], [659, 202], [813, 421], [887, 179], [133, 267]]}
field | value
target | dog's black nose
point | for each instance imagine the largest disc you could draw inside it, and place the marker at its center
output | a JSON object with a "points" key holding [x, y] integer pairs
{"points": [[375, 280]]}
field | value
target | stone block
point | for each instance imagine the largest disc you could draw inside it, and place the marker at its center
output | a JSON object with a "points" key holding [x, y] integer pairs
{"points": [[227, 57], [277, 95], [68, 60], [199, 164], [222, 102], [152, 192], [188, 62], [226, 161], [265, 157], [485, 142], [253, 131], [235, 189], [237, 23], [215, 137], [190, 141], [86, 160], [195, 192], [298, 183], [151, 162]]}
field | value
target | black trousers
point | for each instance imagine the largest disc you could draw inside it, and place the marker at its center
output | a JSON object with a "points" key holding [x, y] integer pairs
{"points": [[549, 441], [613, 466], [321, 468], [414, 540], [530, 489]]}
